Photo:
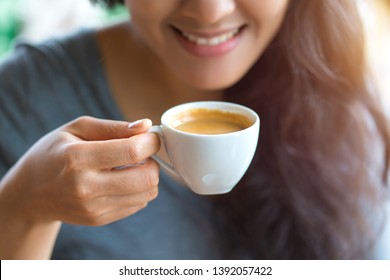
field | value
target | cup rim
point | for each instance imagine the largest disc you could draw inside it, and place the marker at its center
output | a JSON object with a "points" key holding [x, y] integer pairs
{"points": [[200, 104]]}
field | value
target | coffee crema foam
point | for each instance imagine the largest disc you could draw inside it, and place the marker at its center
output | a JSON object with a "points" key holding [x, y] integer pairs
{"points": [[210, 121]]}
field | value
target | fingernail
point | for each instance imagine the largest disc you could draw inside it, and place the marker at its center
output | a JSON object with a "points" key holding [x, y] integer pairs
{"points": [[134, 124]]}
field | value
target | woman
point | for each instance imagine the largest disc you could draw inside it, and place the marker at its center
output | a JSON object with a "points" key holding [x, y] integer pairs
{"points": [[316, 187]]}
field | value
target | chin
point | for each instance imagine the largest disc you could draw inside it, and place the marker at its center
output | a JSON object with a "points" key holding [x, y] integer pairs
{"points": [[211, 86], [212, 83]]}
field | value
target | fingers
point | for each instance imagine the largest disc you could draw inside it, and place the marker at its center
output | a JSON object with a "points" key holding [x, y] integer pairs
{"points": [[135, 179], [105, 218], [93, 129], [108, 209], [81, 155], [132, 180], [110, 197], [116, 206]]}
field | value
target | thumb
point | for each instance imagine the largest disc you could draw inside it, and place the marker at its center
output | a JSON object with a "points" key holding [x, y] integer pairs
{"points": [[94, 129]]}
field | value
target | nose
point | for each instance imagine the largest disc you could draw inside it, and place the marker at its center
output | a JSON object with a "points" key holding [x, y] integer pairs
{"points": [[207, 11]]}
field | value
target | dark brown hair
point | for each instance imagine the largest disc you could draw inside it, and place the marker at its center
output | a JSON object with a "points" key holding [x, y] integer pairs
{"points": [[316, 187]]}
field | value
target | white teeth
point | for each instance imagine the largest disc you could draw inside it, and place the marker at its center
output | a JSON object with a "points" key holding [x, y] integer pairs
{"points": [[213, 41]]}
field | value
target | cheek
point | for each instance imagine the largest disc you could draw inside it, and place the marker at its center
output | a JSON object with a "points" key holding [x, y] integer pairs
{"points": [[266, 7], [150, 10], [267, 13], [148, 18], [269, 18]]}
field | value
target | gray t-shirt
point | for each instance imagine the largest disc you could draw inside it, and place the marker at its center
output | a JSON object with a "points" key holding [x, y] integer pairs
{"points": [[45, 86]]}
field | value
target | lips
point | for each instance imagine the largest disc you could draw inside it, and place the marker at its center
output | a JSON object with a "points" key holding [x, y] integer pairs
{"points": [[209, 44]]}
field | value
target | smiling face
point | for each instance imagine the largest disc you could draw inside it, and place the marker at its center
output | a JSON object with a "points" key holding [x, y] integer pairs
{"points": [[209, 44]]}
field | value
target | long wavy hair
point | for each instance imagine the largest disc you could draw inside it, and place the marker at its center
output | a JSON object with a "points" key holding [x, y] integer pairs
{"points": [[317, 185]]}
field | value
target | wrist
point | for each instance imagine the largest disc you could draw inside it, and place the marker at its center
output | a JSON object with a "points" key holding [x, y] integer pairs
{"points": [[25, 235]]}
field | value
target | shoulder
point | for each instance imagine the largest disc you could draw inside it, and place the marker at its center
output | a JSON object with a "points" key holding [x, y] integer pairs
{"points": [[31, 63], [36, 78], [42, 86], [48, 69]]}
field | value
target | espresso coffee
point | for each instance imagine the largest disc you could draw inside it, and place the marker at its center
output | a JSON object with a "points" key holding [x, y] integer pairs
{"points": [[210, 121]]}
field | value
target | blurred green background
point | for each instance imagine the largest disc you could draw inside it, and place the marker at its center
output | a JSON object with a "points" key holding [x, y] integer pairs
{"points": [[35, 20], [10, 24]]}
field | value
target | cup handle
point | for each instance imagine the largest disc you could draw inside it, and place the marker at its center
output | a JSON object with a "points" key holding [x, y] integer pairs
{"points": [[165, 165]]}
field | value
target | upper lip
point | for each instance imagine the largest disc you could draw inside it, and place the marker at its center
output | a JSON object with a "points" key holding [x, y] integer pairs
{"points": [[207, 33]]}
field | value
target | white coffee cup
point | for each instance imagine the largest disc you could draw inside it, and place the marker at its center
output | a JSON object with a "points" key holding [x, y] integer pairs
{"points": [[208, 163]]}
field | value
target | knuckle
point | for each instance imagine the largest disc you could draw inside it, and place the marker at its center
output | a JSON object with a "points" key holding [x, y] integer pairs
{"points": [[81, 192], [134, 152], [154, 165], [142, 206], [97, 222], [72, 159], [93, 222], [80, 122], [83, 120], [90, 214], [152, 176], [152, 194], [112, 128]]}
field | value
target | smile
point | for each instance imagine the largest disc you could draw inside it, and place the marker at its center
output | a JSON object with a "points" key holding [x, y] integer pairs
{"points": [[211, 41], [209, 44]]}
